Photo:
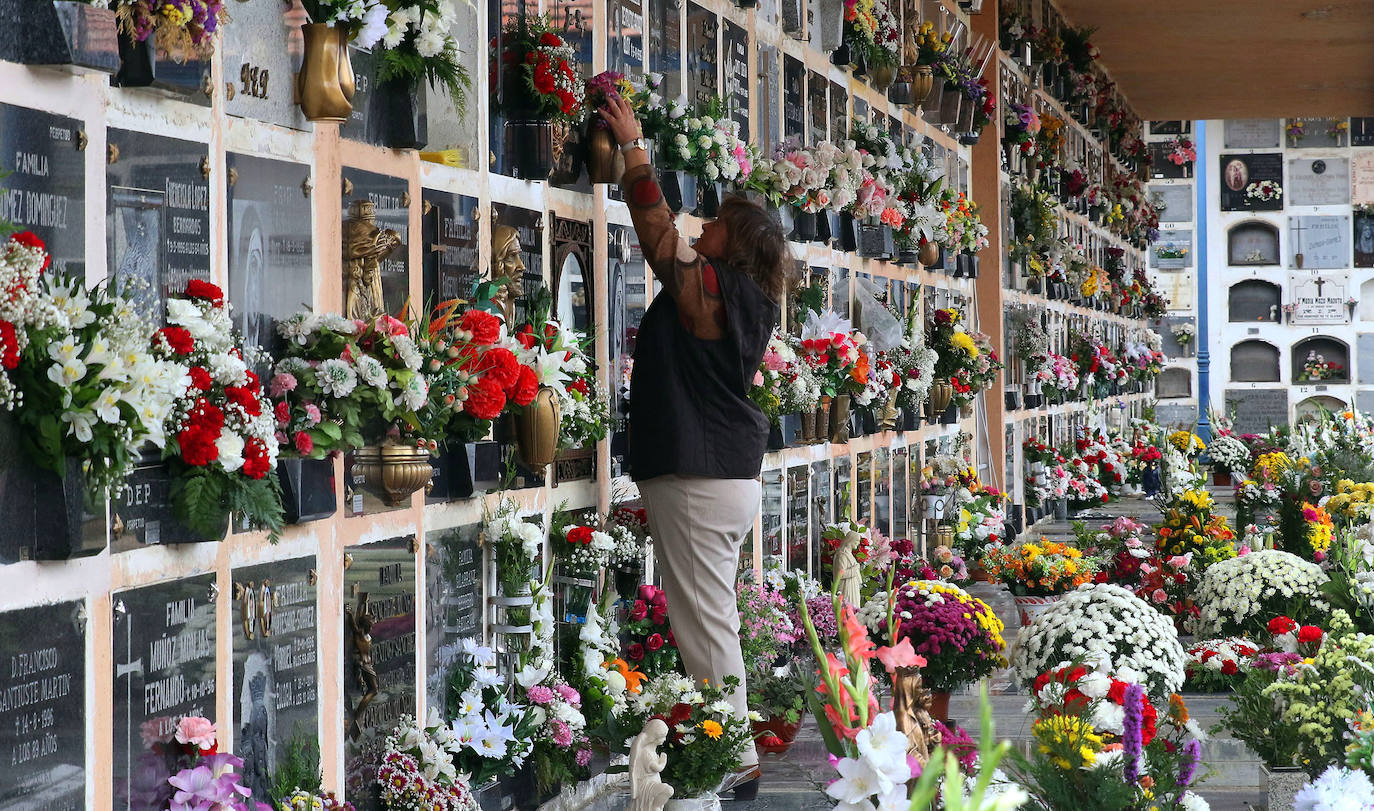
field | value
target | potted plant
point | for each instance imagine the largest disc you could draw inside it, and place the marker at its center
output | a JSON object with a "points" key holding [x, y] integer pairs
{"points": [[325, 83], [784, 388], [1038, 573], [777, 694], [830, 346], [704, 736], [766, 632], [538, 91]]}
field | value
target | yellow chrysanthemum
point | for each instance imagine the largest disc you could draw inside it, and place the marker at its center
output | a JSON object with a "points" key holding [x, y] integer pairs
{"points": [[711, 729], [961, 340]]}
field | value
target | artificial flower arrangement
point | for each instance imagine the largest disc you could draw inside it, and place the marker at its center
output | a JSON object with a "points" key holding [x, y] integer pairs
{"points": [[703, 142], [648, 642], [580, 547], [516, 544], [200, 775], [1129, 635], [965, 229], [1218, 665], [1240, 595], [556, 357], [1038, 568], [1182, 151], [417, 768], [1263, 191], [418, 45], [302, 800], [958, 352], [981, 522], [1050, 370], [914, 362], [1102, 741], [1317, 368], [1191, 526], [1229, 453], [1020, 125], [957, 634], [184, 30], [784, 384], [705, 733], [222, 431], [538, 72], [1034, 228], [821, 178], [835, 353], [76, 370]]}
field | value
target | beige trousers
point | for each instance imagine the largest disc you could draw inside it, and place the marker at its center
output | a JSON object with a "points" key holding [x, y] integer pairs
{"points": [[698, 524]]}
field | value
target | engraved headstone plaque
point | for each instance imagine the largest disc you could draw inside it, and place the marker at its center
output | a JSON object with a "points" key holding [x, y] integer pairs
{"points": [[1251, 133], [1170, 127], [703, 60], [625, 36], [44, 189], [378, 658], [1319, 242], [1242, 177], [164, 668], [451, 257], [262, 50], [1321, 133], [1319, 298], [453, 597], [43, 708], [270, 243], [665, 40], [1362, 178], [1257, 410], [735, 42], [817, 89], [1319, 182], [839, 112], [1173, 250], [1363, 225], [276, 653], [1362, 132], [793, 99], [1176, 199], [769, 130]]}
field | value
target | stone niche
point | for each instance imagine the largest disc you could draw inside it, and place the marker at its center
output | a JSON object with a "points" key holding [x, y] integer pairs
{"points": [[1332, 350], [1253, 300], [1174, 383], [1254, 362], [1313, 406], [1253, 242]]}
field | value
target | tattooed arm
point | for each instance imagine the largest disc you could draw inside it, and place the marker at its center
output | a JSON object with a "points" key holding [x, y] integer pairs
{"points": [[687, 276]]}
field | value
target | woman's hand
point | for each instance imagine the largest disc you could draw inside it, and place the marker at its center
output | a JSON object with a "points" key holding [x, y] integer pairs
{"points": [[620, 117]]}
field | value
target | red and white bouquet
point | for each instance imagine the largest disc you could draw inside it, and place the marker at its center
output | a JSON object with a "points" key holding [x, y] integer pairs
{"points": [[1215, 665], [582, 548], [473, 372], [221, 431], [557, 358]]}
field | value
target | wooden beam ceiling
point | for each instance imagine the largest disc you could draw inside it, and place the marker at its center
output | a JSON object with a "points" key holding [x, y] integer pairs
{"points": [[1210, 59]]}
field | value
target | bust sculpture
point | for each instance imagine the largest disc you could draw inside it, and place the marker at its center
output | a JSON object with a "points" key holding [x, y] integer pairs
{"points": [[507, 264], [365, 245], [648, 792]]}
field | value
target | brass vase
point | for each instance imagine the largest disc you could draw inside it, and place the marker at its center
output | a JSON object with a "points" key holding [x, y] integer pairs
{"points": [[929, 254], [839, 419], [940, 395], [822, 419], [393, 472], [808, 427], [887, 417], [605, 163], [882, 76], [922, 80], [536, 429], [347, 83], [320, 82]]}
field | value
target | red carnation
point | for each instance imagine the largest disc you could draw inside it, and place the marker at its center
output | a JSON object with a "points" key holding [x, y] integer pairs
{"points": [[580, 536], [1278, 626], [177, 338], [31, 240], [525, 388], [198, 445], [485, 399], [1309, 633], [9, 345], [679, 714], [282, 413], [200, 378], [244, 399], [485, 327], [1229, 668], [304, 444], [255, 459], [204, 291], [503, 368], [525, 335]]}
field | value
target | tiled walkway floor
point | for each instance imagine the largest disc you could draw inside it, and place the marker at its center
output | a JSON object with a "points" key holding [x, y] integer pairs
{"points": [[795, 780]]}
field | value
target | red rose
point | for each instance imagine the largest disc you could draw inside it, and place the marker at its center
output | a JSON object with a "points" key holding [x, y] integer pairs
{"points": [[580, 536], [1278, 626], [204, 291], [176, 338], [526, 387], [550, 39], [636, 652], [672, 640], [485, 399], [639, 611], [485, 327], [660, 615], [654, 642], [1309, 633], [200, 378], [502, 368], [30, 239]]}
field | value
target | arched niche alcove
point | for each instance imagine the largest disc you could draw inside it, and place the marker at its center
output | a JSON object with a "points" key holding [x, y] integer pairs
{"points": [[1253, 242], [1254, 300], [1313, 406], [1367, 301], [1321, 349], [1254, 362], [1174, 383]]}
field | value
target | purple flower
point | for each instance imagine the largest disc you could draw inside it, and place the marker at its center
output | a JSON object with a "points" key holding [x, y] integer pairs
{"points": [[1131, 732], [1192, 756]]}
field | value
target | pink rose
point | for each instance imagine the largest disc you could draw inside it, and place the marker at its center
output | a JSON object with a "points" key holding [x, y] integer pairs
{"points": [[639, 611], [196, 730]]}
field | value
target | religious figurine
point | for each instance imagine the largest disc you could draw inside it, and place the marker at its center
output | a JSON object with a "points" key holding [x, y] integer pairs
{"points": [[846, 567], [507, 264], [911, 706], [648, 792], [364, 669], [364, 247]]}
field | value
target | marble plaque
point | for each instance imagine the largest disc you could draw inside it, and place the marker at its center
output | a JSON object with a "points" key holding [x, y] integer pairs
{"points": [[1251, 133], [1172, 347], [1319, 298], [1322, 133], [1363, 225], [625, 36], [43, 708], [1364, 357], [1173, 250], [822, 505], [1319, 242], [1176, 415], [1364, 400], [798, 515], [1241, 173], [530, 225], [772, 512], [1362, 132], [364, 68], [1255, 411], [1161, 166], [453, 603], [703, 59], [378, 657], [1179, 289], [391, 198], [42, 157], [276, 665], [1170, 127], [451, 255], [1362, 178], [665, 41], [263, 48], [270, 243], [793, 99], [164, 668], [768, 133], [735, 44], [817, 90], [839, 112], [141, 512], [1319, 182]]}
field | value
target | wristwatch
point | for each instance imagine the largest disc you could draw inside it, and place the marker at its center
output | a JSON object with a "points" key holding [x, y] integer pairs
{"points": [[637, 143]]}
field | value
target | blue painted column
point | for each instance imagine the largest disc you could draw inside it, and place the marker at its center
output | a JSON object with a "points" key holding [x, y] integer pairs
{"points": [[1204, 336]]}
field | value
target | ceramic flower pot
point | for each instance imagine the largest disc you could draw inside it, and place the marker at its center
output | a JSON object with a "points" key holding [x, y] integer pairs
{"points": [[605, 162], [307, 487], [529, 148], [839, 419], [393, 472], [777, 729], [318, 85], [1029, 606], [536, 429]]}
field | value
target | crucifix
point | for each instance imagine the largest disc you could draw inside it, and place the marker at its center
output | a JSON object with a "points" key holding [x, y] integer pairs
{"points": [[1319, 281]]}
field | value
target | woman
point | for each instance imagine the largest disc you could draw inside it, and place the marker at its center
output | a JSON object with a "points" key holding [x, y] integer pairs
{"points": [[696, 439]]}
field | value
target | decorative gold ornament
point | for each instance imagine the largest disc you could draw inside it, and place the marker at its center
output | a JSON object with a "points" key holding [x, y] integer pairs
{"points": [[536, 429], [365, 245], [506, 263], [319, 84]]}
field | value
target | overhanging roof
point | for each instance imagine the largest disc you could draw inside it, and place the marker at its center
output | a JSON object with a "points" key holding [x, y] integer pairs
{"points": [[1209, 59]]}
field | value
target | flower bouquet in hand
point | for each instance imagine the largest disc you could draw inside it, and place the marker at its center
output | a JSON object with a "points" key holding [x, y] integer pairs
{"points": [[222, 434], [76, 369]]}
